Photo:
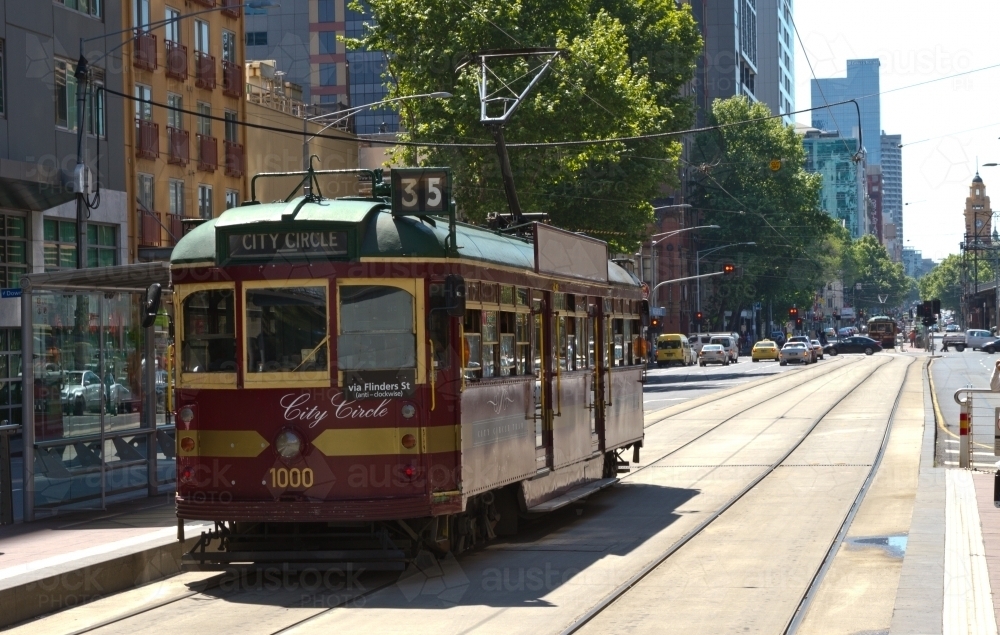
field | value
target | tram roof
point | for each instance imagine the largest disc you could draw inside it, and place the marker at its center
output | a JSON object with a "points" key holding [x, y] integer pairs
{"points": [[380, 234]]}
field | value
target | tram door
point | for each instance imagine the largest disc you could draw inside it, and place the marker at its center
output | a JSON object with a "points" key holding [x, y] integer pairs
{"points": [[545, 368], [602, 383]]}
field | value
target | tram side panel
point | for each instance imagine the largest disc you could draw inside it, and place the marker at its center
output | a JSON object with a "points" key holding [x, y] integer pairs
{"points": [[571, 427], [623, 414], [497, 434]]}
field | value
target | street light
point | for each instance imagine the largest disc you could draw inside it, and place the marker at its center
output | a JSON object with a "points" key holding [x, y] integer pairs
{"points": [[82, 74], [662, 237], [697, 267], [345, 114]]}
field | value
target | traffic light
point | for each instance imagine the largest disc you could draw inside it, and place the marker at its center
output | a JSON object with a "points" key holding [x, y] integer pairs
{"points": [[927, 309], [793, 313], [798, 323], [698, 317], [728, 269], [654, 324], [936, 304]]}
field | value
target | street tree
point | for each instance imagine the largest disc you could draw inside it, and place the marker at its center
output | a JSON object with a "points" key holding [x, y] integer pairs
{"points": [[750, 179], [869, 275], [621, 74], [946, 280]]}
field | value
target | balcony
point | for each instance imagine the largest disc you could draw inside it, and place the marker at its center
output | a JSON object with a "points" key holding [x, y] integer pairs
{"points": [[147, 139], [149, 228], [234, 158], [175, 227], [232, 79], [177, 60], [144, 51], [178, 146], [232, 8], [204, 70], [205, 3], [208, 153]]}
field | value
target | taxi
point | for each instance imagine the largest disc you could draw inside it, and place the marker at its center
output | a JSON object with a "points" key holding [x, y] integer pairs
{"points": [[764, 349]]}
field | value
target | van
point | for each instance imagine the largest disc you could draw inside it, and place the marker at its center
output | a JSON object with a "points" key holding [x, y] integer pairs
{"points": [[729, 345], [697, 340], [674, 348]]}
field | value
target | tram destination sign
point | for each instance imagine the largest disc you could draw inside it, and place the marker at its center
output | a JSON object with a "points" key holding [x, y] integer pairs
{"points": [[265, 245], [378, 384], [417, 191]]}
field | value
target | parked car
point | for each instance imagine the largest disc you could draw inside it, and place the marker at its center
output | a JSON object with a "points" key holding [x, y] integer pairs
{"points": [[81, 391], [817, 348], [853, 344], [713, 354], [764, 349], [796, 352], [729, 344]]}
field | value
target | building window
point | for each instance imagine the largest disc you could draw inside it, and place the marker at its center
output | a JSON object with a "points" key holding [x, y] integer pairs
{"points": [[201, 41], [326, 11], [204, 123], [60, 244], [228, 46], [14, 246], [205, 201], [140, 14], [175, 104], [232, 134], [102, 245], [143, 105], [172, 31], [327, 74], [10, 366], [256, 38], [65, 98], [90, 7], [327, 43], [232, 199], [145, 191], [176, 191], [3, 76]]}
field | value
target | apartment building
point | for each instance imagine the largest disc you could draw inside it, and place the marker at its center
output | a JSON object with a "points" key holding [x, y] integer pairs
{"points": [[186, 148]]}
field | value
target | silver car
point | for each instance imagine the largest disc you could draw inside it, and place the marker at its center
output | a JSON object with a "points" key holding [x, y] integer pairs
{"points": [[794, 352], [713, 354]]}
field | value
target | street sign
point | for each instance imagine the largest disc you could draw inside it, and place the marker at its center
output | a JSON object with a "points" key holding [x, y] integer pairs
{"points": [[756, 306], [10, 293], [775, 165]]}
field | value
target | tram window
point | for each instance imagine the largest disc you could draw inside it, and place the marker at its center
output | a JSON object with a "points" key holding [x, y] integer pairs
{"points": [[376, 328], [618, 342], [490, 341], [472, 353], [567, 343], [637, 345], [286, 329], [209, 344], [438, 330], [627, 342], [523, 339], [581, 330], [508, 354], [591, 343]]}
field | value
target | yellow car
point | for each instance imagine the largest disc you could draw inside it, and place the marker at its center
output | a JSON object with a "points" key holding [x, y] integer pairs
{"points": [[764, 349]]}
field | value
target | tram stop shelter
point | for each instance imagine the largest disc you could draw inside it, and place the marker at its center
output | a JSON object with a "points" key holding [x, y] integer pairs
{"points": [[95, 388]]}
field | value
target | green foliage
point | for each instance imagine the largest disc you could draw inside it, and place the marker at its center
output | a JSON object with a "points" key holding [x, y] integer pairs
{"points": [[625, 63], [866, 262], [945, 281], [798, 246]]}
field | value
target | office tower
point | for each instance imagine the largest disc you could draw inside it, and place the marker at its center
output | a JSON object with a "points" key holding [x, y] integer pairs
{"points": [[776, 48], [844, 193], [862, 84], [892, 188]]}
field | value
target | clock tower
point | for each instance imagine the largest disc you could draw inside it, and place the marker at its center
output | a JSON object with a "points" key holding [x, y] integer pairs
{"points": [[978, 214]]}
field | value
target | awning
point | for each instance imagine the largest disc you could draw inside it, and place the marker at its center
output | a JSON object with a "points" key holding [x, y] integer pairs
{"points": [[125, 278], [28, 186]]}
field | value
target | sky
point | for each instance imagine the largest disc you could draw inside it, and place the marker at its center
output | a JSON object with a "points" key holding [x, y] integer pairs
{"points": [[945, 125]]}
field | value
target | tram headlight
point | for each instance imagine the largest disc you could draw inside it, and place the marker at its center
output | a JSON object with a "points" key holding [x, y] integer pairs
{"points": [[408, 410], [186, 414], [288, 444]]}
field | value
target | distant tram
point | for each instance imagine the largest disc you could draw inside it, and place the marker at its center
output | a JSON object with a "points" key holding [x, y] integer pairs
{"points": [[364, 378], [883, 329]]}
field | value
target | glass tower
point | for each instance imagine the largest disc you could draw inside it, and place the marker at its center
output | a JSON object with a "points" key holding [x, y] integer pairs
{"points": [[861, 83], [843, 193]]}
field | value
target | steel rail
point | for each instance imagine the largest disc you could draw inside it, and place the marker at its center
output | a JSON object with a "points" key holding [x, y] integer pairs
{"points": [[625, 587], [807, 598]]}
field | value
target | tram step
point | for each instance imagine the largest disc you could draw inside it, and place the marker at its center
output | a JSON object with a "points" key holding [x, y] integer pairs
{"points": [[573, 495]]}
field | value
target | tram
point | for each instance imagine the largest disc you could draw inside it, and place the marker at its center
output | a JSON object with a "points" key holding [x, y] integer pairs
{"points": [[883, 329], [365, 378]]}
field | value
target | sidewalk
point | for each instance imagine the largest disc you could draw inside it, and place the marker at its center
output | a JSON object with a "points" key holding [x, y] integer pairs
{"points": [[76, 558]]}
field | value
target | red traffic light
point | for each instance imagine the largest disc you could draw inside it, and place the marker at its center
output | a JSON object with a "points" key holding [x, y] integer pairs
{"points": [[792, 312], [698, 317], [728, 269], [655, 322]]}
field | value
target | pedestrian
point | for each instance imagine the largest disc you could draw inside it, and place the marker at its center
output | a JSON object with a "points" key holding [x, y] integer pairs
{"points": [[995, 378], [913, 338]]}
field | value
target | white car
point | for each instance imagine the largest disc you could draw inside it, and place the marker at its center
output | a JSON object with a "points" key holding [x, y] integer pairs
{"points": [[729, 345], [794, 352], [977, 338], [713, 354], [817, 348]]}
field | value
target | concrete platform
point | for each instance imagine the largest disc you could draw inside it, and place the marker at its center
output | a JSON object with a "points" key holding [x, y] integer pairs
{"points": [[76, 558]]}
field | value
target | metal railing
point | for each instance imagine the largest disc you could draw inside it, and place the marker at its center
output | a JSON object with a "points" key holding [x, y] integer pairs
{"points": [[965, 424]]}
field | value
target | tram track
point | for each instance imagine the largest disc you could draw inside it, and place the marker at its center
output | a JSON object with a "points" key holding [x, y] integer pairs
{"points": [[624, 588]]}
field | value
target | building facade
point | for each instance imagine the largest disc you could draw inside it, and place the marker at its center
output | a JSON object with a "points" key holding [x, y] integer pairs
{"points": [[862, 84], [978, 215], [873, 182], [914, 263], [891, 154], [186, 147], [844, 192], [39, 46], [776, 48], [304, 37]]}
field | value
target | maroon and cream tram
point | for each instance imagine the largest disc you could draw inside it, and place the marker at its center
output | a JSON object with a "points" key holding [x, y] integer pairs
{"points": [[355, 364]]}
